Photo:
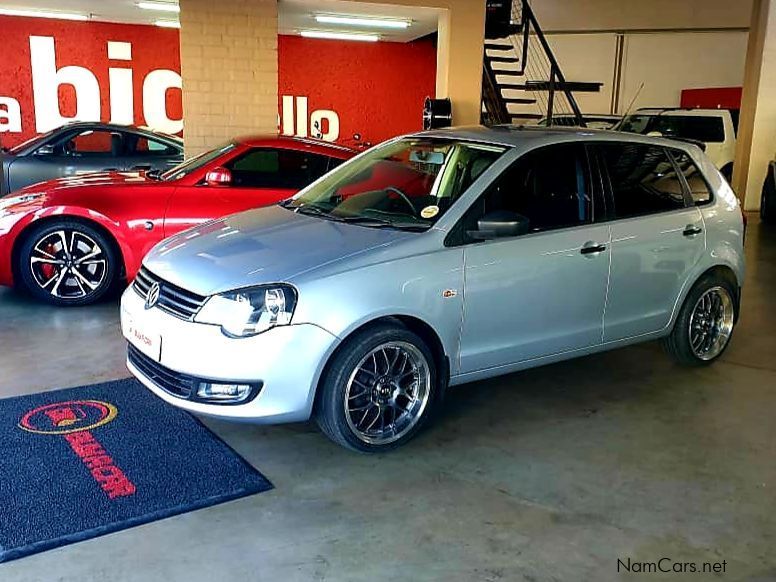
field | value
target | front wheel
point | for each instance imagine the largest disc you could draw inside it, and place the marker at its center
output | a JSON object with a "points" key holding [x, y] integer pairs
{"points": [[379, 389], [705, 323], [67, 263]]}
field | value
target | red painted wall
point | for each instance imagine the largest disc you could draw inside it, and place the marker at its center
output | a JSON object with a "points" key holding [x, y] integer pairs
{"points": [[712, 98], [376, 89], [83, 44]]}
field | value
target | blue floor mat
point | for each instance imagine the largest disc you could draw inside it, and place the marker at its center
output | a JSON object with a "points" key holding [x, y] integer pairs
{"points": [[86, 461]]}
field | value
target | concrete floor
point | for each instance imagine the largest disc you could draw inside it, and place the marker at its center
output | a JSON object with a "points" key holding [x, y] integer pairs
{"points": [[549, 474]]}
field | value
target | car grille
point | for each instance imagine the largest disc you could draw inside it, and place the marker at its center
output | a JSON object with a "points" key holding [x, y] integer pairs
{"points": [[175, 383], [172, 299]]}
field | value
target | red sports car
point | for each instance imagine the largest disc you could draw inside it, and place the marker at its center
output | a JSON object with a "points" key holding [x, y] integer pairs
{"points": [[70, 241]]}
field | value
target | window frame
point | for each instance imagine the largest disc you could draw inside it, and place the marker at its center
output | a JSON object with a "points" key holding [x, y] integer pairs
{"points": [[458, 237], [325, 162], [609, 189]]}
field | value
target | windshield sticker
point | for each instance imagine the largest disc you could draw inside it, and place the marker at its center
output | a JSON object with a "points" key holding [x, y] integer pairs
{"points": [[429, 211]]}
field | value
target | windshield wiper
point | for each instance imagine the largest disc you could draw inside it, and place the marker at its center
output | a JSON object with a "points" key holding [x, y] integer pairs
{"points": [[311, 210], [385, 223]]}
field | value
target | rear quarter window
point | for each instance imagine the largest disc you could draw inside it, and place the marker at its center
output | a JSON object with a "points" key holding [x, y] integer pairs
{"points": [[696, 182]]}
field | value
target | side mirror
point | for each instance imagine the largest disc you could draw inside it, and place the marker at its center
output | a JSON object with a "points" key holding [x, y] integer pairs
{"points": [[500, 223], [218, 177], [45, 150]]}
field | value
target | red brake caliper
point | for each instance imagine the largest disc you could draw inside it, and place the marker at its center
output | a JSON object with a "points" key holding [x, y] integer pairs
{"points": [[48, 269]]}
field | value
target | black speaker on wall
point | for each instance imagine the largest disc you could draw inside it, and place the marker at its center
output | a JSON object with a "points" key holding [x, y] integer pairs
{"points": [[437, 113], [498, 18]]}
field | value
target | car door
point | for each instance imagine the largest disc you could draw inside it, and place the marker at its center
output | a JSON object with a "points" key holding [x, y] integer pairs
{"points": [[82, 152], [541, 292], [657, 238], [258, 176]]}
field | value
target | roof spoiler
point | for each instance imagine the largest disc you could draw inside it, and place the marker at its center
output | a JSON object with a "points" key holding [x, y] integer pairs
{"points": [[694, 142]]}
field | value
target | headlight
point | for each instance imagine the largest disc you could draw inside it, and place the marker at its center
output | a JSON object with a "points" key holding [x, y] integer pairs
{"points": [[248, 312]]}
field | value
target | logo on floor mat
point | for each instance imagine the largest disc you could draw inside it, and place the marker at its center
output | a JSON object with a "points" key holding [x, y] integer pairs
{"points": [[73, 420], [68, 417]]}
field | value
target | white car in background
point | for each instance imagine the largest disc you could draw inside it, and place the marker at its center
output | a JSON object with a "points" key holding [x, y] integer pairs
{"points": [[714, 127]]}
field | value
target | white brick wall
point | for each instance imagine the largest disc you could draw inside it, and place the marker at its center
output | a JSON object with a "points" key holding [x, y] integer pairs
{"points": [[229, 65]]}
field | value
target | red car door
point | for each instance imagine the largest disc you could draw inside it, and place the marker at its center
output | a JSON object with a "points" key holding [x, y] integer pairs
{"points": [[255, 177]]}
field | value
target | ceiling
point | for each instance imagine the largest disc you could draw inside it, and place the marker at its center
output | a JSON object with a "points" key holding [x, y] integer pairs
{"points": [[293, 15]]}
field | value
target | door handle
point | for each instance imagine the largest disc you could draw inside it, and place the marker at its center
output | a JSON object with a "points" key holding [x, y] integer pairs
{"points": [[592, 249], [692, 230]]}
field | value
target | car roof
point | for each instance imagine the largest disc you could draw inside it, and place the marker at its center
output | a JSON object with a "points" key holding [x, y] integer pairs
{"points": [[531, 136], [679, 111], [296, 143], [146, 131]]}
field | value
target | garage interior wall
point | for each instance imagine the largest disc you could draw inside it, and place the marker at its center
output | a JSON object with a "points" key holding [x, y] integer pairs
{"points": [[709, 59]]}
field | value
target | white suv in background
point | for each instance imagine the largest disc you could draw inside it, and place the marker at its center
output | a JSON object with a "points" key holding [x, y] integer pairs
{"points": [[714, 127]]}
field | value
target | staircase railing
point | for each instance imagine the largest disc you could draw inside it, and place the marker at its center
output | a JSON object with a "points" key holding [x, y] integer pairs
{"points": [[538, 73]]}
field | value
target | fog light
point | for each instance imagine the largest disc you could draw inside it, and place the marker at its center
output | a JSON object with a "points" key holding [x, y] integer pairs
{"points": [[223, 392]]}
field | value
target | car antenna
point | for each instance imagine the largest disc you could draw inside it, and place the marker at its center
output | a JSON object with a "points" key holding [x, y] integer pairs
{"points": [[630, 105]]}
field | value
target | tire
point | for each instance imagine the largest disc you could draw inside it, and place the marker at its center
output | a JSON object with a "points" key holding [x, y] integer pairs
{"points": [[710, 309], [768, 200], [360, 374], [67, 263]]}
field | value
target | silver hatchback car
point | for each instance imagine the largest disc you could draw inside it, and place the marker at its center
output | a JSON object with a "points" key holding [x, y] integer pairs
{"points": [[436, 259]]}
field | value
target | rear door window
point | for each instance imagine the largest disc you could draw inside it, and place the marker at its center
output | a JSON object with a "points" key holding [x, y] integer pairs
{"points": [[643, 179]]}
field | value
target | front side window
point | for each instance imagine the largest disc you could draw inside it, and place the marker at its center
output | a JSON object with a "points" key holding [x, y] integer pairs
{"points": [[277, 168], [89, 143], [643, 179], [699, 188], [548, 188], [410, 182]]}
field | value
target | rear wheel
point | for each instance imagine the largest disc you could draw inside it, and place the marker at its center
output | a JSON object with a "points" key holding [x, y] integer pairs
{"points": [[67, 263], [379, 390], [705, 323]]}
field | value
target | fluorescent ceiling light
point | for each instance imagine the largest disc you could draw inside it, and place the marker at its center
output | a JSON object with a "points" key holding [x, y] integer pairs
{"points": [[43, 14], [339, 35], [168, 23], [162, 6], [356, 21]]}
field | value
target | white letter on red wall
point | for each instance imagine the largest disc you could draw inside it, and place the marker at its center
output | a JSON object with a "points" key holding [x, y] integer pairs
{"points": [[332, 131], [46, 79], [122, 103], [10, 115], [155, 100]]}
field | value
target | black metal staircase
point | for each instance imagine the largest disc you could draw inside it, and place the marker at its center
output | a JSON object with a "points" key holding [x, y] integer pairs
{"points": [[522, 79]]}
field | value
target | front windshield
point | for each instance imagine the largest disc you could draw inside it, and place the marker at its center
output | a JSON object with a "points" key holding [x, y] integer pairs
{"points": [[32, 141], [409, 183], [185, 168], [707, 129]]}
